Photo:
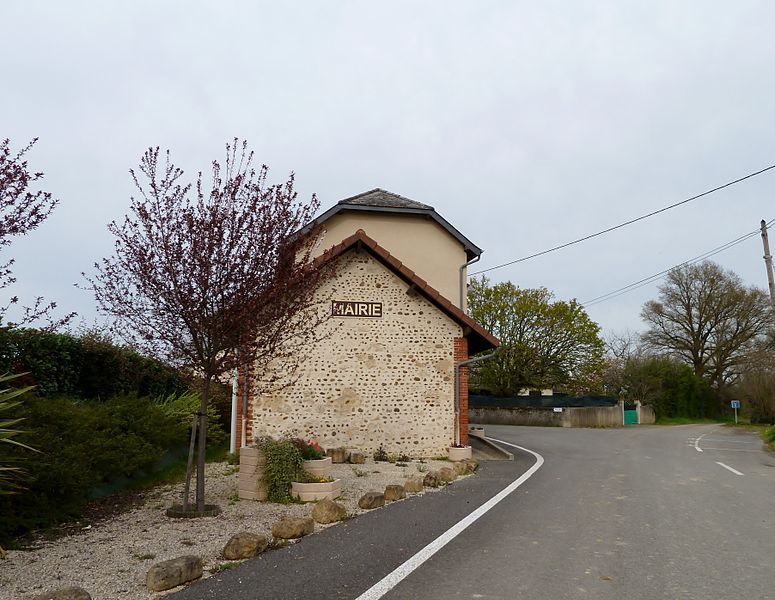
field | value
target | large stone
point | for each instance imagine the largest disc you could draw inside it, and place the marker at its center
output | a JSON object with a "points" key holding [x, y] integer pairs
{"points": [[431, 479], [447, 475], [372, 500], [328, 511], [70, 593], [293, 527], [245, 545], [357, 458], [413, 485], [394, 492], [172, 573], [338, 455]]}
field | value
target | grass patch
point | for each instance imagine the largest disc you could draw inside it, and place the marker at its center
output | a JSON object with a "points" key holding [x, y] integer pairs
{"points": [[769, 437], [690, 421]]}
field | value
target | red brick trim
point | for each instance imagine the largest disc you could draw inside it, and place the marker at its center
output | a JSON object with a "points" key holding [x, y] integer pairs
{"points": [[248, 418], [461, 354]]}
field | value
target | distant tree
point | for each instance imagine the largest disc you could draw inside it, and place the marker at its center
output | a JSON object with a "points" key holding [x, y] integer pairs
{"points": [[545, 343], [620, 348], [21, 210], [212, 277], [707, 318]]}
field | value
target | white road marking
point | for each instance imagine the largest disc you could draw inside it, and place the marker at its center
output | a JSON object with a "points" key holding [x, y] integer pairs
{"points": [[392, 579], [728, 441], [733, 450], [697, 442], [728, 468]]}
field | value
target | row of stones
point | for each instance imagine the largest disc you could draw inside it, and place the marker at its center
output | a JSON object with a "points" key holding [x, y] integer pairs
{"points": [[177, 571]]}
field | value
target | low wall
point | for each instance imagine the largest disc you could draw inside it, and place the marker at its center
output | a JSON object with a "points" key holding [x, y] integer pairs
{"points": [[594, 416], [647, 415]]}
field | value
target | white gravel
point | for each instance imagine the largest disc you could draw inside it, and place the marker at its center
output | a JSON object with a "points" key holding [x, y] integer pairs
{"points": [[111, 558]]}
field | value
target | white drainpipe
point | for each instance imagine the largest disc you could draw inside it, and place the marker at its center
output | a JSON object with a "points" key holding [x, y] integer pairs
{"points": [[233, 428]]}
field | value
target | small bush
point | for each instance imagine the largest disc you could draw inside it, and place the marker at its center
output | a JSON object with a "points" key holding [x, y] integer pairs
{"points": [[283, 466], [82, 445], [310, 450], [181, 409], [380, 454]]}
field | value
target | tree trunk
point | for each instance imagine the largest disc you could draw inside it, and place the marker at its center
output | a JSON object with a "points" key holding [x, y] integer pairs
{"points": [[200, 462], [190, 463]]}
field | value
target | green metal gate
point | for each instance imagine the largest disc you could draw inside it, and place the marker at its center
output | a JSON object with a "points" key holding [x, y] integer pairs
{"points": [[630, 414]]}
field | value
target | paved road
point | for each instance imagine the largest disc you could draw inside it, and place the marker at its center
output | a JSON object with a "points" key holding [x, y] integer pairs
{"points": [[639, 513], [636, 513]]}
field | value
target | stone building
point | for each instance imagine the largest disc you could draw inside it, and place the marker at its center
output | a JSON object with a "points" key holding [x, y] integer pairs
{"points": [[396, 328]]}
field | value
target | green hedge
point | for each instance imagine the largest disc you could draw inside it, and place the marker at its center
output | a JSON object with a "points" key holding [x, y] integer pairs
{"points": [[82, 445], [89, 366]]}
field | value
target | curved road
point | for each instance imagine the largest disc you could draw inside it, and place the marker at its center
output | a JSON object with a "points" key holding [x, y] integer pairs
{"points": [[682, 512], [636, 513]]}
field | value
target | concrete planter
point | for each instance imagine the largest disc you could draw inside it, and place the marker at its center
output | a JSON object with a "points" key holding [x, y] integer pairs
{"points": [[251, 474], [458, 454], [320, 467], [311, 492]]}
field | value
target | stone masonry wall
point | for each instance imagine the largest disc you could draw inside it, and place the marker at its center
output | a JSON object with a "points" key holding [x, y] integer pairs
{"points": [[374, 381]]}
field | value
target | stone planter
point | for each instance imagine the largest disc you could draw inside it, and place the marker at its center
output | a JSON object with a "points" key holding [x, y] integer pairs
{"points": [[320, 467], [311, 492], [251, 474], [458, 454]]}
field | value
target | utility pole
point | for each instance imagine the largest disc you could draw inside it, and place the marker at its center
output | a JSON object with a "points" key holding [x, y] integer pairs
{"points": [[768, 261]]}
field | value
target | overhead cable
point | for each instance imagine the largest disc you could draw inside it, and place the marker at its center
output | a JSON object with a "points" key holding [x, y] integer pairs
{"points": [[620, 225], [652, 278]]}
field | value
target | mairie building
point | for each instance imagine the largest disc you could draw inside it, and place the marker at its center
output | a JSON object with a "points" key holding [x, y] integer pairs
{"points": [[395, 327]]}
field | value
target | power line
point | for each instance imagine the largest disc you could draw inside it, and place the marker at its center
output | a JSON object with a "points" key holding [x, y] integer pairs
{"points": [[647, 280], [620, 225]]}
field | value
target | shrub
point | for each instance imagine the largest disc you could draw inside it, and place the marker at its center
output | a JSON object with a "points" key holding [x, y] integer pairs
{"points": [[181, 409], [82, 445], [310, 450], [283, 466], [380, 454]]}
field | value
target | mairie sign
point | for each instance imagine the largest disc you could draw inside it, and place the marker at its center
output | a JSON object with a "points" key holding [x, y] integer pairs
{"points": [[348, 308]]}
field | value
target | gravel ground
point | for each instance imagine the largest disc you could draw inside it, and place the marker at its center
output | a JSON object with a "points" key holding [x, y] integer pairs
{"points": [[111, 557]]}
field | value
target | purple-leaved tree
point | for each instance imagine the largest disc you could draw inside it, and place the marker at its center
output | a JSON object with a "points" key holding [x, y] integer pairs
{"points": [[210, 275], [22, 210]]}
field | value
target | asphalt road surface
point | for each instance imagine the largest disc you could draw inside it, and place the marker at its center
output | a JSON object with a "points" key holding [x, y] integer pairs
{"points": [[636, 513]]}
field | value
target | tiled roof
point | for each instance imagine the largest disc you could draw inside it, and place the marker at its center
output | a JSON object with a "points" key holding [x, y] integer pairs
{"points": [[479, 338], [381, 201], [381, 198]]}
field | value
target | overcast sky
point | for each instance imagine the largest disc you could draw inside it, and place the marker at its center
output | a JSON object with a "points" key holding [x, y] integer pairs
{"points": [[525, 124]]}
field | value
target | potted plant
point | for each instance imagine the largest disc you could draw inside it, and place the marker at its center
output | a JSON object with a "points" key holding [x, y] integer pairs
{"points": [[316, 462], [458, 452], [315, 488]]}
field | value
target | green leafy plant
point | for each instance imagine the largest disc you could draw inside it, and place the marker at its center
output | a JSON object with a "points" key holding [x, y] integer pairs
{"points": [[10, 475], [181, 408], [380, 454], [283, 466], [306, 477]]}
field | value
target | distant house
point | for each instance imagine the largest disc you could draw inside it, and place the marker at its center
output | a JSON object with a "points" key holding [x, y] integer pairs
{"points": [[396, 328]]}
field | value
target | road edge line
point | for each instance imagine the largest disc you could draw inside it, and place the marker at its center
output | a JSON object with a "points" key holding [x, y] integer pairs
{"points": [[392, 579]]}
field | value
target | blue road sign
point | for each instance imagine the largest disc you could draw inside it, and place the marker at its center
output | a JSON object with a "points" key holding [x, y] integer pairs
{"points": [[735, 403]]}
